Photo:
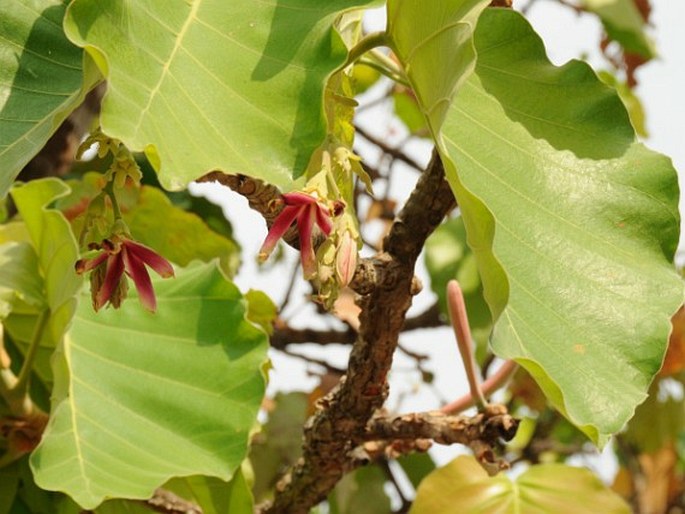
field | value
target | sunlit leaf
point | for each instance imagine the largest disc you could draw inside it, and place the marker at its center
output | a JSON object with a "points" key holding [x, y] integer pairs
{"points": [[41, 80], [433, 41], [573, 223], [131, 385], [463, 486], [214, 84]]}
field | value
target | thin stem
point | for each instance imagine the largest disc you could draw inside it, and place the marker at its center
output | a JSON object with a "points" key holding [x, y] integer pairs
{"points": [[366, 44], [462, 331], [492, 384], [25, 373], [392, 73], [109, 189], [387, 63]]}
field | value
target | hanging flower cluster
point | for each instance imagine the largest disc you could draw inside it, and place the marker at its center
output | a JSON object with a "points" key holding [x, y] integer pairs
{"points": [[306, 211], [120, 256]]}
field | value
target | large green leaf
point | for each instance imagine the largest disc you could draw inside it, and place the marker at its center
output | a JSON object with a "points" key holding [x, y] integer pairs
{"points": [[140, 398], [463, 486], [55, 253], [623, 23], [574, 224], [235, 86], [41, 80], [433, 41]]}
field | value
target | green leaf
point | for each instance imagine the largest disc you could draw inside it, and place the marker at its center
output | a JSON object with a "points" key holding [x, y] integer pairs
{"points": [[261, 310], [630, 100], [178, 235], [277, 446], [416, 466], [433, 41], [19, 277], [573, 223], [9, 482], [623, 23], [657, 422], [408, 111], [215, 496], [54, 245], [216, 85], [41, 79], [140, 398], [448, 257], [360, 492], [51, 238], [463, 486]]}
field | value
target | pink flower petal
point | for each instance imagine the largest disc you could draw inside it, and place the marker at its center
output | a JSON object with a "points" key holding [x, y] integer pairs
{"points": [[323, 220], [115, 270], [136, 270], [305, 224], [298, 198], [150, 257], [280, 226], [84, 265]]}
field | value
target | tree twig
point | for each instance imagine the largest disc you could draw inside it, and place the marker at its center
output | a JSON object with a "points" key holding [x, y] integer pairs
{"points": [[386, 284]]}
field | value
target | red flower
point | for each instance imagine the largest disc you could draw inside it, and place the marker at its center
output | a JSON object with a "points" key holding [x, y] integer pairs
{"points": [[122, 255], [306, 210]]}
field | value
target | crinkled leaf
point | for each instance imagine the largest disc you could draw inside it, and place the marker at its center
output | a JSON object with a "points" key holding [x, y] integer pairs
{"points": [[433, 41], [573, 223], [463, 486], [140, 398], [623, 23], [41, 78], [211, 85]]}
